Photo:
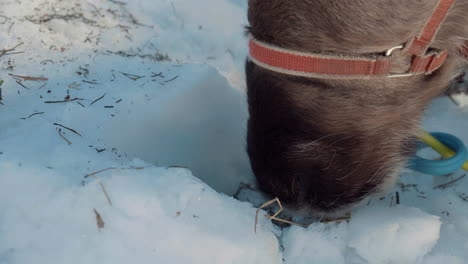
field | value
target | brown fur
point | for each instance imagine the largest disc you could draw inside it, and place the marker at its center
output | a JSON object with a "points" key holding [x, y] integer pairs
{"points": [[323, 144]]}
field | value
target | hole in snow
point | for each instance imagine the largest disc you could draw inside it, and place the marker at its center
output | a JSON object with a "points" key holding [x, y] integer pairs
{"points": [[198, 122]]}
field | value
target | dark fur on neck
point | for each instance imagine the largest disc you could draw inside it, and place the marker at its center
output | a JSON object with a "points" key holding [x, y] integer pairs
{"points": [[326, 144]]}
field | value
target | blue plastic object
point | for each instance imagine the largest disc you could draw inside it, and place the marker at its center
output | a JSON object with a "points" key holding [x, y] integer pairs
{"points": [[444, 166]]}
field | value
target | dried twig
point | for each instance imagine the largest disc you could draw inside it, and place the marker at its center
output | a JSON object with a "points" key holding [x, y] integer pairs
{"points": [[132, 76], [274, 216], [28, 78], [88, 38], [9, 29], [63, 137], [97, 99], [103, 189], [90, 82], [463, 196], [13, 53], [159, 74], [99, 171], [8, 51], [1, 97], [170, 80], [31, 115], [346, 218], [118, 2], [177, 167], [63, 101], [105, 193], [22, 85], [113, 168], [445, 185], [72, 130]]}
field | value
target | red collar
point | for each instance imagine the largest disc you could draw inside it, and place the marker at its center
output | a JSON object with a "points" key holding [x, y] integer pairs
{"points": [[337, 66]]}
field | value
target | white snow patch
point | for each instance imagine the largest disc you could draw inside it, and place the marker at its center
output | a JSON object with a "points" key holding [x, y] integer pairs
{"points": [[317, 244], [443, 260], [393, 235], [373, 235], [158, 215]]}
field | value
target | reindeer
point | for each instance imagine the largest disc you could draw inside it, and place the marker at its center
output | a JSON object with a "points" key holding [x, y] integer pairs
{"points": [[336, 90]]}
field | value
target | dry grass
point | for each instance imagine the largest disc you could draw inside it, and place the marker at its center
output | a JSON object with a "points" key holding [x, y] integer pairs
{"points": [[103, 188], [276, 218]]}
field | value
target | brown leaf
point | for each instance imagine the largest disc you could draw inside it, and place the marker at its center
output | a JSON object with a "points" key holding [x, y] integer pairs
{"points": [[99, 221]]}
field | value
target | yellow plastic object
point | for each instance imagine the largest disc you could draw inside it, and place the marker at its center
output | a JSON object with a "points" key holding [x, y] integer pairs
{"points": [[438, 146]]}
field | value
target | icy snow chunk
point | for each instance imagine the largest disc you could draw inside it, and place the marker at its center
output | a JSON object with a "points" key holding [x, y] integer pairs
{"points": [[158, 215], [393, 235], [317, 244], [443, 259]]}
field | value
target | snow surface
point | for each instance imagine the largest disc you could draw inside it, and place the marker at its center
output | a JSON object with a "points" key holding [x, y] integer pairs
{"points": [[155, 88]]}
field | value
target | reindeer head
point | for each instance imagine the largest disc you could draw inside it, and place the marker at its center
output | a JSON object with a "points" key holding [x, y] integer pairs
{"points": [[325, 144]]}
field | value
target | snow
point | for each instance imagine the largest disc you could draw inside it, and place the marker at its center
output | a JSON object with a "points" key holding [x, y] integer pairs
{"points": [[317, 244], [397, 235], [158, 215], [374, 234], [155, 90], [459, 90]]}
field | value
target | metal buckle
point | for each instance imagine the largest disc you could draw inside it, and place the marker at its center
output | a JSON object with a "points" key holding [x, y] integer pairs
{"points": [[391, 50], [388, 53]]}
